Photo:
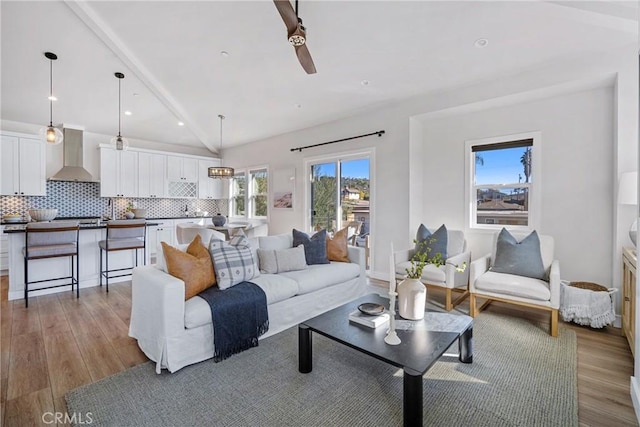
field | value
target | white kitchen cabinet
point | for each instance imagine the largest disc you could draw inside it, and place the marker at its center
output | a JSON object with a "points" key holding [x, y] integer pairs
{"points": [[4, 252], [209, 188], [182, 169], [22, 165], [163, 232], [118, 173], [152, 169]]}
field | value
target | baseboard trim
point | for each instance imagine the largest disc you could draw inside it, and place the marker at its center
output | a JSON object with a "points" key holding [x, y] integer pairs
{"points": [[635, 397]]}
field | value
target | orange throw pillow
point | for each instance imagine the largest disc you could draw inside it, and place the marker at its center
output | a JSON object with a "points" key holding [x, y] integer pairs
{"points": [[337, 247], [193, 267]]}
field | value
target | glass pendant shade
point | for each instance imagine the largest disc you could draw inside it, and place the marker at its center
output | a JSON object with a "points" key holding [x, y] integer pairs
{"points": [[119, 143], [50, 134]]}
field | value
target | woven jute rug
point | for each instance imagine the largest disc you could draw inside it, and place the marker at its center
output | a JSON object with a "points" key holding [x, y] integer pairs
{"points": [[520, 376]]}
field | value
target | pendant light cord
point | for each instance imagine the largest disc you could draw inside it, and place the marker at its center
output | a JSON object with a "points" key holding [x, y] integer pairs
{"points": [[50, 92], [221, 119], [119, 84]]}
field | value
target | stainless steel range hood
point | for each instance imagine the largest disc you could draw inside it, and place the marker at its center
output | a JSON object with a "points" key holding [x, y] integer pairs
{"points": [[73, 169]]}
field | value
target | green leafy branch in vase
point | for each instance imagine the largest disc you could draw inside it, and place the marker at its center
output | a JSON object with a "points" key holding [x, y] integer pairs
{"points": [[421, 258]]}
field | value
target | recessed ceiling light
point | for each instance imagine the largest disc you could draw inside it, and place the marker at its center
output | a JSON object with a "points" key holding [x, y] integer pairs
{"points": [[364, 82], [224, 54], [298, 105], [52, 98], [128, 113], [180, 123], [136, 94], [480, 43]]}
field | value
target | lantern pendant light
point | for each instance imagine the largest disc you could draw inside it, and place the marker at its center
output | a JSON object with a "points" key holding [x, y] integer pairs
{"points": [[119, 142], [51, 134], [221, 172]]}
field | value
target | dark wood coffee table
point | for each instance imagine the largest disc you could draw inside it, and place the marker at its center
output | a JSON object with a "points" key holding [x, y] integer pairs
{"points": [[423, 343]]}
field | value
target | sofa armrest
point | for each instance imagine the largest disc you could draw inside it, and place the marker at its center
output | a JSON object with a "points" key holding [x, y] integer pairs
{"points": [[403, 255], [157, 307], [554, 283], [455, 278], [358, 256], [477, 268]]}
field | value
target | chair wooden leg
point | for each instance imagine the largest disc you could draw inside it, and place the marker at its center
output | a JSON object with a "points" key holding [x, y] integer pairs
{"points": [[554, 323], [472, 305], [447, 305]]}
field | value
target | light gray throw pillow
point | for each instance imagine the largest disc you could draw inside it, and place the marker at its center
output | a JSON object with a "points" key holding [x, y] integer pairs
{"points": [[279, 261], [522, 259]]}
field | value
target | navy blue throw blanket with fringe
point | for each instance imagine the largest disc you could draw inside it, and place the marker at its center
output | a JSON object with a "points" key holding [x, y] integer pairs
{"points": [[239, 315]]}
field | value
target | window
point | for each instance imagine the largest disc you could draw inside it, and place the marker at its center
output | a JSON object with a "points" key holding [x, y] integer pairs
{"points": [[249, 193], [258, 192], [503, 182]]}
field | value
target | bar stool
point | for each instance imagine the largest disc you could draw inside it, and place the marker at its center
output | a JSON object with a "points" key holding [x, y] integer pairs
{"points": [[51, 240], [122, 235]]}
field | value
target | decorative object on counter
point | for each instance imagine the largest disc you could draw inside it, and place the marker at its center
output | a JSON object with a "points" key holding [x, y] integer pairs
{"points": [[392, 337], [51, 134], [200, 213], [220, 172], [218, 219], [119, 142], [43, 214], [13, 217], [129, 212], [139, 213]]}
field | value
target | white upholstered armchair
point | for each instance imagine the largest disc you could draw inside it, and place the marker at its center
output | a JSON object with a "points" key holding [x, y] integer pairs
{"points": [[446, 276], [516, 289]]}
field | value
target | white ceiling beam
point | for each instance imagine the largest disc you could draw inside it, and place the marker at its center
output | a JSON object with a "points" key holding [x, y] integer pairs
{"points": [[104, 32], [621, 16]]}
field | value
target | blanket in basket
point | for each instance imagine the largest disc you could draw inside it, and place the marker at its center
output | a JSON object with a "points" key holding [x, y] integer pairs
{"points": [[586, 307]]}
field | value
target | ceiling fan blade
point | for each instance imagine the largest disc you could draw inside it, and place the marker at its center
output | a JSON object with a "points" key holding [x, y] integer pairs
{"points": [[288, 14], [305, 59]]}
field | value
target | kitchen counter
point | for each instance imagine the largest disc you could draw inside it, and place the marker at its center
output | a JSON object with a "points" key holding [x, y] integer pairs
{"points": [[19, 228]]}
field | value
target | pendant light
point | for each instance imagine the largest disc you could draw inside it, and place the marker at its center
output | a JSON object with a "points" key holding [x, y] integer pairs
{"points": [[221, 172], [119, 142], [51, 134]]}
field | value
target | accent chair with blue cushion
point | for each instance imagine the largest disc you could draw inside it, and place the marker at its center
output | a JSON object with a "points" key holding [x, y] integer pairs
{"points": [[446, 276], [517, 272]]}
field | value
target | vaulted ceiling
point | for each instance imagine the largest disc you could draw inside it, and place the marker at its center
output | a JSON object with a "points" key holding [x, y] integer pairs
{"points": [[367, 54]]}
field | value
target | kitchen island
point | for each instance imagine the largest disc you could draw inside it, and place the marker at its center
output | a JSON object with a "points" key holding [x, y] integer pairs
{"points": [[89, 261]]}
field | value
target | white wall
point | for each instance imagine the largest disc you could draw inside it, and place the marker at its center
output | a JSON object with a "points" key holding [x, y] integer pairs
{"points": [[576, 182], [399, 201]]}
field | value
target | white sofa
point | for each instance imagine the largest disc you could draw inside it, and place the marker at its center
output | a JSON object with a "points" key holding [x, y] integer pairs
{"points": [[175, 333]]}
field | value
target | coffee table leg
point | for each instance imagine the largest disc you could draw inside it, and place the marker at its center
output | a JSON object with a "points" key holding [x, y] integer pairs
{"points": [[465, 345], [412, 400], [305, 355]]}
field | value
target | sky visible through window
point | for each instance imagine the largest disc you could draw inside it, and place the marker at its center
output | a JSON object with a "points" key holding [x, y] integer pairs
{"points": [[501, 166], [350, 168]]}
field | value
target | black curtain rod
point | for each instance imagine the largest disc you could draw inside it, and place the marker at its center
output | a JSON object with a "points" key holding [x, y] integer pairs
{"points": [[379, 133]]}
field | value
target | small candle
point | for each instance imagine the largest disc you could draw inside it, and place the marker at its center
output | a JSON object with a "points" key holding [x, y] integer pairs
{"points": [[392, 270]]}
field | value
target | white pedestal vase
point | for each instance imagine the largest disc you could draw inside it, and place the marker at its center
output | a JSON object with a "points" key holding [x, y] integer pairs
{"points": [[412, 297]]}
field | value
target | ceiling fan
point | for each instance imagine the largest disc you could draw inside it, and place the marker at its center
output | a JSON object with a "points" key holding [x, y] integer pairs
{"points": [[296, 32]]}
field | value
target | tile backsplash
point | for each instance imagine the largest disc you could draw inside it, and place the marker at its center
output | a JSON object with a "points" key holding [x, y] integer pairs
{"points": [[76, 199]]}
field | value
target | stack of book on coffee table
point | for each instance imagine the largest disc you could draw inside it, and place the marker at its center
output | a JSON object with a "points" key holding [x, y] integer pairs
{"points": [[372, 321]]}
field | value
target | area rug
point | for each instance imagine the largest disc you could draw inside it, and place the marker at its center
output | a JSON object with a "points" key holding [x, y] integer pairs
{"points": [[520, 376]]}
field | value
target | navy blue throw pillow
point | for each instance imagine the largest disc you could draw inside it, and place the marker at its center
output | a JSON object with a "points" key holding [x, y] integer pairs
{"points": [[522, 259], [431, 244], [315, 247]]}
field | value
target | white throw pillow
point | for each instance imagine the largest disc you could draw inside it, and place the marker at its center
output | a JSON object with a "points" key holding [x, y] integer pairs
{"points": [[281, 241], [272, 261]]}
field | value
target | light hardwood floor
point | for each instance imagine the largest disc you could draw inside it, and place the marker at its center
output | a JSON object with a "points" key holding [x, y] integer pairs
{"points": [[61, 342]]}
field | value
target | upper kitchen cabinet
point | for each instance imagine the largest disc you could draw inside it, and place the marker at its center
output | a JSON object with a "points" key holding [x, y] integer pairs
{"points": [[182, 169], [118, 173], [209, 188], [23, 165], [152, 170]]}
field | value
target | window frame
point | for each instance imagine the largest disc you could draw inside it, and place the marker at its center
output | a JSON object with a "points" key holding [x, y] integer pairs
{"points": [[249, 194], [535, 186]]}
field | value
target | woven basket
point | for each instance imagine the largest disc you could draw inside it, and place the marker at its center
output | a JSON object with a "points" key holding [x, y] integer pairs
{"points": [[590, 286]]}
